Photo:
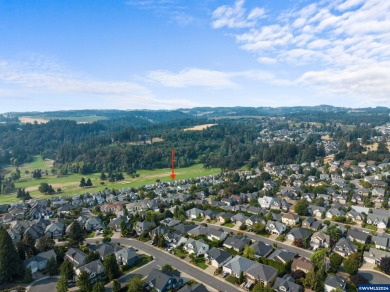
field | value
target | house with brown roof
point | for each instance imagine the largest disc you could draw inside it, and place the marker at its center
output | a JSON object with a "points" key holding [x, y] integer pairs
{"points": [[290, 219], [302, 264]]}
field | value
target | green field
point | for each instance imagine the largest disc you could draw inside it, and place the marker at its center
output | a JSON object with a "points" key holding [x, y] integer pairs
{"points": [[69, 184]]}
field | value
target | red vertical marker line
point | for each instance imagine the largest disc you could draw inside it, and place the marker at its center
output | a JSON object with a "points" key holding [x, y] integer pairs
{"points": [[173, 164]]}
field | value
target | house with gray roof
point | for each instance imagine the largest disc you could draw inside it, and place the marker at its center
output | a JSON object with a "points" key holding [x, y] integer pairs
{"points": [[196, 247], [299, 233], [345, 247], [194, 288], [275, 227], [217, 257], [93, 224], [319, 239], [76, 257], [357, 235], [264, 274], [162, 282], [236, 243], [286, 283], [127, 256], [105, 249], [334, 282], [237, 265], [38, 262], [194, 213], [55, 230], [262, 249], [382, 241], [282, 256], [141, 227], [95, 270]]}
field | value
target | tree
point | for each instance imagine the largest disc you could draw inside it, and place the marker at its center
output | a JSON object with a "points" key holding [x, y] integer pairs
{"points": [[10, 263], [265, 176], [318, 257], [28, 277], [76, 233], [259, 288], [241, 278], [301, 207], [62, 284], [334, 233], [103, 176], [45, 188], [111, 267], [259, 228], [385, 265], [82, 182], [88, 183], [161, 240], [116, 286], [84, 282], [249, 252], [298, 242], [336, 260], [29, 245], [358, 279], [135, 284], [98, 287], [351, 265], [44, 243], [92, 256], [66, 270], [310, 280], [124, 229], [167, 269], [52, 267]]}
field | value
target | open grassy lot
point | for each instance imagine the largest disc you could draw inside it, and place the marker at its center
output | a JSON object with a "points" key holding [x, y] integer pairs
{"points": [[69, 184], [45, 119]]}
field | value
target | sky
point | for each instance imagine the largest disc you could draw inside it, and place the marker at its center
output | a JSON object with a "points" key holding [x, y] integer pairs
{"points": [[168, 54]]}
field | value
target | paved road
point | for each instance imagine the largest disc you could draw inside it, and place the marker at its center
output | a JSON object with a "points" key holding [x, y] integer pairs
{"points": [[303, 252], [49, 285], [166, 258], [375, 277]]}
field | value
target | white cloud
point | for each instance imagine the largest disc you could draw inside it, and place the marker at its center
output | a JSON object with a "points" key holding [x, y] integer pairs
{"points": [[236, 16], [346, 41], [192, 77]]}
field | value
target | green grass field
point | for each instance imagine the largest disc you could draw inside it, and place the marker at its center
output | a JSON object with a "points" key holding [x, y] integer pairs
{"points": [[69, 184]]}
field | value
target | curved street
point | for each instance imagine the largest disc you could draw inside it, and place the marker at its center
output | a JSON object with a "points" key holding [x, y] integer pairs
{"points": [[375, 277]]}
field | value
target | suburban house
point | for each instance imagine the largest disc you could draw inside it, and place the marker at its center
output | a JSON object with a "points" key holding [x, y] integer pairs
{"points": [[355, 216], [311, 223], [319, 239], [236, 243], [216, 234], [302, 264], [237, 265], [334, 212], [382, 241], [344, 247], [194, 288], [105, 249], [127, 256], [259, 273], [162, 282], [217, 257], [266, 202], [299, 233], [38, 262], [141, 227], [175, 239], [334, 282], [380, 221], [194, 213], [286, 283], [275, 227], [93, 223], [357, 235], [224, 217], [95, 270], [196, 247], [290, 219], [282, 256], [262, 249], [76, 257], [54, 230], [374, 256], [253, 220]]}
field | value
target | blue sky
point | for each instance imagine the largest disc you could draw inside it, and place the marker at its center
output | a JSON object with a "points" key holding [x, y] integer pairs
{"points": [[166, 54]]}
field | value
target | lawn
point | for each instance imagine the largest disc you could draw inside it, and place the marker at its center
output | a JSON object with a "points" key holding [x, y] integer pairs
{"points": [[231, 279], [180, 253], [230, 225], [200, 262], [69, 184], [144, 260]]}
